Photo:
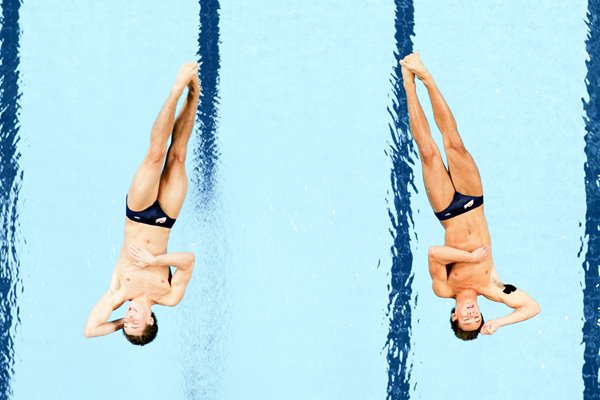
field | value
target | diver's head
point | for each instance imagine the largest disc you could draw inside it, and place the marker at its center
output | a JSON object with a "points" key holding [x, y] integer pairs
{"points": [[139, 324], [466, 319]]}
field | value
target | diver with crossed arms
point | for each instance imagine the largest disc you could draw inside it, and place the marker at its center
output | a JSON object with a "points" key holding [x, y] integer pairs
{"points": [[142, 274], [462, 269]]}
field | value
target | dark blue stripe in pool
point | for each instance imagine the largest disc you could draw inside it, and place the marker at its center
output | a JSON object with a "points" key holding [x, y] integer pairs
{"points": [[402, 179], [207, 152], [11, 178], [203, 332], [591, 290]]}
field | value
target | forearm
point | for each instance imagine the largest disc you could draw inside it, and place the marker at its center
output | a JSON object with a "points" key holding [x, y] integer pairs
{"points": [[103, 329], [446, 255], [522, 313], [182, 261], [97, 323]]}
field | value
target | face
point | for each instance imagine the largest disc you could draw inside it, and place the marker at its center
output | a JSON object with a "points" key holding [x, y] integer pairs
{"points": [[136, 318], [468, 316]]}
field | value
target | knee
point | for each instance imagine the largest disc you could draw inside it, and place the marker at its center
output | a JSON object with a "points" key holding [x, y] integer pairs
{"points": [[454, 143], [156, 154], [177, 156], [428, 153]]}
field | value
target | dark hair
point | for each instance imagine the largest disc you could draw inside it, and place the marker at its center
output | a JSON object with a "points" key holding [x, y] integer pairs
{"points": [[464, 335], [147, 335]]}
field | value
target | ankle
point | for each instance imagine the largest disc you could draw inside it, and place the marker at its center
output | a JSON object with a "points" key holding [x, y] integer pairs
{"points": [[177, 91], [193, 91], [427, 80], [409, 84]]}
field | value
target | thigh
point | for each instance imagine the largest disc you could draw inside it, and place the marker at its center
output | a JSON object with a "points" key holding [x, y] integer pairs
{"points": [[464, 172], [143, 191], [173, 187], [438, 184]]}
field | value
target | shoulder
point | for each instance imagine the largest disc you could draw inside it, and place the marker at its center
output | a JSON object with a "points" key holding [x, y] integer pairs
{"points": [[441, 289], [116, 296], [172, 298]]}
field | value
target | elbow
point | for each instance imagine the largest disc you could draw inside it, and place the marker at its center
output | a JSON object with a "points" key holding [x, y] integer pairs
{"points": [[432, 253], [536, 309], [87, 333], [191, 260]]}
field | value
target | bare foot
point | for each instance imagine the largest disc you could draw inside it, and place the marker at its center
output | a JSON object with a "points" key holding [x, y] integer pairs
{"points": [[186, 73], [407, 75], [414, 64]]}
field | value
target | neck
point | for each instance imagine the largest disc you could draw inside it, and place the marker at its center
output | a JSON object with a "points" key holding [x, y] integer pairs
{"points": [[466, 295], [143, 300]]}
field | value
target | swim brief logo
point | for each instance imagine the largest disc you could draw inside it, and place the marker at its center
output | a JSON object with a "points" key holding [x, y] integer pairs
{"points": [[136, 217], [161, 220], [469, 204]]}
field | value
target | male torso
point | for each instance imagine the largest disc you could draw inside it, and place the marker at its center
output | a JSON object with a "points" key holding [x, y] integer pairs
{"points": [[131, 280], [468, 232]]}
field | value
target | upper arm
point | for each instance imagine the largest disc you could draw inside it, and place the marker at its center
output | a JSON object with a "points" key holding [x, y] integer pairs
{"points": [[439, 278], [179, 283], [520, 299], [115, 283], [437, 270]]}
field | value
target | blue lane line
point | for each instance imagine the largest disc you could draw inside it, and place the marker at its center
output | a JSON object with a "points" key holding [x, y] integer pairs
{"points": [[401, 153], [11, 178], [202, 361], [591, 290], [207, 152]]}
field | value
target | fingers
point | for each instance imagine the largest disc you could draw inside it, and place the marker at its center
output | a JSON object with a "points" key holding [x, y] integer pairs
{"points": [[134, 251], [485, 251], [140, 257], [488, 329]]}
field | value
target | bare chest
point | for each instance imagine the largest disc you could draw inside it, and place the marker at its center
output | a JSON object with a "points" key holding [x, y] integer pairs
{"points": [[151, 281], [469, 276]]}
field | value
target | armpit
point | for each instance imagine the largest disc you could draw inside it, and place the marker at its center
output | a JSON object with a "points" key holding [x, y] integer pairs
{"points": [[508, 288]]}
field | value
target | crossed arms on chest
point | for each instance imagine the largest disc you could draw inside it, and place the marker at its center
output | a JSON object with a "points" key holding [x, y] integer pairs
{"points": [[525, 307], [97, 323], [440, 256]]}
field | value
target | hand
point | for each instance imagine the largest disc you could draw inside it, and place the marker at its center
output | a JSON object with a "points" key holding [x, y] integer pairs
{"points": [[407, 75], [141, 257], [481, 253], [490, 327]]}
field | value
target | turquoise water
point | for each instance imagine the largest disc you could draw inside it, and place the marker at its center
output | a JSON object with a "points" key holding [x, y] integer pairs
{"points": [[289, 297]]}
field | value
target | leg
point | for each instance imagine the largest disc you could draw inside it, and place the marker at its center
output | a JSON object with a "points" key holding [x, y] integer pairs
{"points": [[144, 187], [173, 181], [463, 170], [438, 185]]}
